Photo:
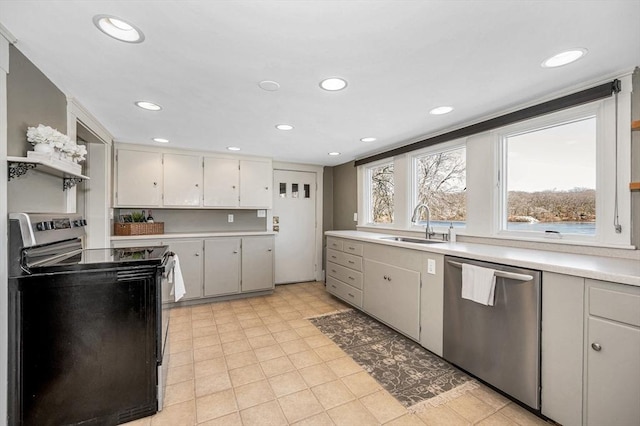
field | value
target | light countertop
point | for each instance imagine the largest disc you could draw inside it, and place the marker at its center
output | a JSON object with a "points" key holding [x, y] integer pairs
{"points": [[624, 271], [174, 235]]}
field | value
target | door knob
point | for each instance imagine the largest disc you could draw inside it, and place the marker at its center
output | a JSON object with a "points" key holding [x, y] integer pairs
{"points": [[596, 347]]}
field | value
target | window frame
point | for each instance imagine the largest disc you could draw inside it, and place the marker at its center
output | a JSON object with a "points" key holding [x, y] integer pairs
{"points": [[413, 159], [595, 110], [368, 188]]}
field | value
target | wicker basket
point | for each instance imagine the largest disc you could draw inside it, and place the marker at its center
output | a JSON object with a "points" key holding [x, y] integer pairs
{"points": [[138, 228]]}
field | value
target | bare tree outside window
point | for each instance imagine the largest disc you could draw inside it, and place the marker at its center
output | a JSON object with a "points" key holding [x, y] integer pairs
{"points": [[441, 184], [381, 185]]}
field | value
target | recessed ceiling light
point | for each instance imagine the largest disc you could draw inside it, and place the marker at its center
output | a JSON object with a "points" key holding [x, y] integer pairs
{"points": [[332, 84], [118, 29], [333, 154], [150, 106], [233, 148], [564, 58], [441, 110], [161, 140], [268, 85], [284, 127], [368, 139]]}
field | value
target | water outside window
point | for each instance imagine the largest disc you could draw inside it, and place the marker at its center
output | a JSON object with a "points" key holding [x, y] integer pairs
{"points": [[551, 179]]}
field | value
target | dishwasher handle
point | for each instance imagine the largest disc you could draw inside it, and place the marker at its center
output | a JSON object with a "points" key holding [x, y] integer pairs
{"points": [[499, 274]]}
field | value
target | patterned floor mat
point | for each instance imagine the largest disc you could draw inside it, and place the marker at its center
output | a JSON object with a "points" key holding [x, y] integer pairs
{"points": [[413, 375]]}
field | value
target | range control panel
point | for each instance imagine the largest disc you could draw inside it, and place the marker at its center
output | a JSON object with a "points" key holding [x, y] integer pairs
{"points": [[45, 228]]}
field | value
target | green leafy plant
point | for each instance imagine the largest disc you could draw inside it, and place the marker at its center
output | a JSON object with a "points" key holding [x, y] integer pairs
{"points": [[137, 216]]}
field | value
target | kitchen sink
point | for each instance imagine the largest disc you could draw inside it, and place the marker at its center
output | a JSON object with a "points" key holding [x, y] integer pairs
{"points": [[412, 240]]}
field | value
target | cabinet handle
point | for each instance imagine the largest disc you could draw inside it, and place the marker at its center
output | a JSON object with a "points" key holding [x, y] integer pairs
{"points": [[235, 252], [197, 254], [333, 285], [385, 277], [196, 185], [333, 257], [351, 262], [266, 187], [268, 249], [596, 347], [234, 187], [155, 183], [350, 295], [333, 270], [351, 278]]}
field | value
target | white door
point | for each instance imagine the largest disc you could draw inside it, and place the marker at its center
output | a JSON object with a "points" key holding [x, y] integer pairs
{"points": [[294, 217]]}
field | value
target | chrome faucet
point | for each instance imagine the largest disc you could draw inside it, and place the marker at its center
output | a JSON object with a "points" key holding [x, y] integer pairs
{"points": [[415, 219]]}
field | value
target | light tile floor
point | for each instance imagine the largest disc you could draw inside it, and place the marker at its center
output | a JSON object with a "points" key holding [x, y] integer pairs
{"points": [[257, 361]]}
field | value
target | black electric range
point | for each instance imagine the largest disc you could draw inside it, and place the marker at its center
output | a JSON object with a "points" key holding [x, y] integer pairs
{"points": [[87, 334]]}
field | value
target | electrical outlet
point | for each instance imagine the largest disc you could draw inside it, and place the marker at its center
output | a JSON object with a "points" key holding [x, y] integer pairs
{"points": [[262, 213], [355, 217], [431, 266], [230, 218]]}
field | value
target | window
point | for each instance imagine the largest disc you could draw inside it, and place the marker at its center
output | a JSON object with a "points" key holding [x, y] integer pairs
{"points": [[380, 184], [440, 183], [550, 179]]}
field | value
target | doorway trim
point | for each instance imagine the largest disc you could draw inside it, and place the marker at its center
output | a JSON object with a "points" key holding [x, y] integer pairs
{"points": [[318, 170], [98, 202]]}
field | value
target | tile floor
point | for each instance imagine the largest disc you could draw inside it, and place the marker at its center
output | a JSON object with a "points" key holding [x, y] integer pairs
{"points": [[257, 361]]}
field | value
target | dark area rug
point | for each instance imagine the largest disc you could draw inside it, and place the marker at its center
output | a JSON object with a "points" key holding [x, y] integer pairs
{"points": [[412, 374]]}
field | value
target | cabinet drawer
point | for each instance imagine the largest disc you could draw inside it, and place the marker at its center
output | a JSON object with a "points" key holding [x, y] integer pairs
{"points": [[345, 259], [615, 305], [334, 243], [344, 291], [352, 248], [346, 275]]}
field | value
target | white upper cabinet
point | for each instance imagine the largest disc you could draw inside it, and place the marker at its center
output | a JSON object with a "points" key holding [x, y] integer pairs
{"points": [[139, 178], [255, 184], [221, 182], [182, 176], [145, 177]]}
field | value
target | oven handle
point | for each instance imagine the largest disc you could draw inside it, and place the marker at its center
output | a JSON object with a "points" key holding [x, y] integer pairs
{"points": [[169, 266], [499, 274]]}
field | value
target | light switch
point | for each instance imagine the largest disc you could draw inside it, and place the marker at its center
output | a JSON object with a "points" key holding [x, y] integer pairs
{"points": [[230, 218], [355, 217], [431, 266]]}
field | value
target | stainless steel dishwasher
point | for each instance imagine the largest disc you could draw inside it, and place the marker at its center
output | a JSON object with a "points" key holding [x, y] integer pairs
{"points": [[499, 344]]}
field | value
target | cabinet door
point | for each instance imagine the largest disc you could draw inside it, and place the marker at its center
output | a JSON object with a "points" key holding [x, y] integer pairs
{"points": [[255, 184], [190, 255], [139, 176], [182, 177], [613, 382], [222, 266], [257, 263], [221, 182], [392, 294]]}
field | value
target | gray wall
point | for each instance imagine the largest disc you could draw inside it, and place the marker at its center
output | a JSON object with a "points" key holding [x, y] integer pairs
{"points": [[187, 220], [32, 99], [345, 196]]}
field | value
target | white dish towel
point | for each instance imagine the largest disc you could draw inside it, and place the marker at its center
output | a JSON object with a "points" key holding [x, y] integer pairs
{"points": [[178, 282], [478, 284]]}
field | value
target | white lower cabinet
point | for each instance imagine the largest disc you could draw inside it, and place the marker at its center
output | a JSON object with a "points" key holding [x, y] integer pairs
{"points": [[222, 266], [612, 375], [191, 261], [392, 294], [257, 264]]}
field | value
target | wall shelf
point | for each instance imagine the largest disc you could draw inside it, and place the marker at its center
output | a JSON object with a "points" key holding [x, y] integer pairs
{"points": [[19, 166], [635, 125]]}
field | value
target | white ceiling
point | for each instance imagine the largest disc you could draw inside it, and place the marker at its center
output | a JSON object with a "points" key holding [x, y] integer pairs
{"points": [[202, 61]]}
